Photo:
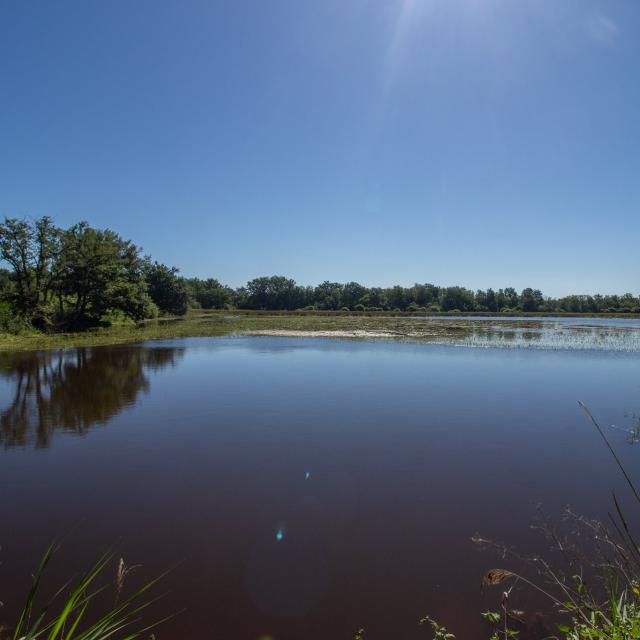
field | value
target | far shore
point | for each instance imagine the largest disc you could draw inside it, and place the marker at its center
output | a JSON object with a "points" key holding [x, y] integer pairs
{"points": [[335, 324]]}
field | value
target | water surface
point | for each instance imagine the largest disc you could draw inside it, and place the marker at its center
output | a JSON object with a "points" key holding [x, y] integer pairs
{"points": [[304, 487]]}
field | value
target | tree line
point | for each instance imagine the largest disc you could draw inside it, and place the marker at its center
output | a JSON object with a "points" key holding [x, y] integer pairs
{"points": [[67, 279]]}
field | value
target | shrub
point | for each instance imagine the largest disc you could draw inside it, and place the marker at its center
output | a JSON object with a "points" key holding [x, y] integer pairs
{"points": [[10, 322]]}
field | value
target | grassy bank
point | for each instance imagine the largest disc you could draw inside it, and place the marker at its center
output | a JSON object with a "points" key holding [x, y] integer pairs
{"points": [[219, 323], [209, 324]]}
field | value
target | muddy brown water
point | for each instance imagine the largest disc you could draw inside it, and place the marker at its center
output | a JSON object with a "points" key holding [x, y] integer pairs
{"points": [[303, 488]]}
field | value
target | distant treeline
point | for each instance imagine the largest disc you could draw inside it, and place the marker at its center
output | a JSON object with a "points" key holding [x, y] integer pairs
{"points": [[77, 277]]}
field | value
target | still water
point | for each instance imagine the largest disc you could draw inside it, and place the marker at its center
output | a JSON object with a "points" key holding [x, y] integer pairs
{"points": [[302, 488]]}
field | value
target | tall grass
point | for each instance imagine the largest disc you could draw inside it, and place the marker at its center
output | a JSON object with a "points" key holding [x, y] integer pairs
{"points": [[596, 591], [73, 614]]}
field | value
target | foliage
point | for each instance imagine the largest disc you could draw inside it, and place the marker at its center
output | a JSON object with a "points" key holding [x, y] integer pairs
{"points": [[101, 272], [620, 622], [79, 277], [601, 596], [71, 278], [208, 294], [68, 619], [33, 251], [10, 321], [439, 632], [167, 290], [274, 292]]}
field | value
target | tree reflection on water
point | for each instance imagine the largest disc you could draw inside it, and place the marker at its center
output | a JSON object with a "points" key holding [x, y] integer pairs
{"points": [[73, 390]]}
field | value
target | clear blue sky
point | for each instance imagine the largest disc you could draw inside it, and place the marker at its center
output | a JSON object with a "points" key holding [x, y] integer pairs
{"points": [[475, 142]]}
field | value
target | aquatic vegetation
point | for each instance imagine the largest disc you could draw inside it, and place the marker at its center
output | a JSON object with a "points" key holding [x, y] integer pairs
{"points": [[598, 588], [69, 617], [601, 334]]}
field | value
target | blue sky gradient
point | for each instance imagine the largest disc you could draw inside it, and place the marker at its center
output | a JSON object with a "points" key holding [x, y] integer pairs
{"points": [[474, 142]]}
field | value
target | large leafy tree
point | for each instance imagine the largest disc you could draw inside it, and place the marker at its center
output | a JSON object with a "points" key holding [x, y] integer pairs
{"points": [[101, 273], [166, 288], [531, 299], [32, 249], [274, 292], [351, 294], [459, 298], [399, 297], [328, 295], [73, 277], [209, 293]]}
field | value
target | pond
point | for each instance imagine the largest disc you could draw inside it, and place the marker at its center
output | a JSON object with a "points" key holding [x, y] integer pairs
{"points": [[303, 487]]}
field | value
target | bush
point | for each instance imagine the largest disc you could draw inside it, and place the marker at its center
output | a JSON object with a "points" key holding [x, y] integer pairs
{"points": [[10, 322]]}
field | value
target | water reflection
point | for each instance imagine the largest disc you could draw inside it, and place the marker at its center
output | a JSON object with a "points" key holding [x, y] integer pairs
{"points": [[545, 333], [578, 334], [73, 390], [295, 475]]}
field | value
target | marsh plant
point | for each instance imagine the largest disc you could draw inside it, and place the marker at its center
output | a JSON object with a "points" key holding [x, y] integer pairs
{"points": [[74, 612], [593, 586]]}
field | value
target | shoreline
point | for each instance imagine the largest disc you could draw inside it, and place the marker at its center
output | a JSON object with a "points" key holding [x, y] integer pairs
{"points": [[440, 329]]}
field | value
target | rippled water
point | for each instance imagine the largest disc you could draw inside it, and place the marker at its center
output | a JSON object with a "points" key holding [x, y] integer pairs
{"points": [[305, 487]]}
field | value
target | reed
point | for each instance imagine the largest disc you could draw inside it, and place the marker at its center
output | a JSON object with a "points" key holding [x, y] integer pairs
{"points": [[73, 613], [596, 589]]}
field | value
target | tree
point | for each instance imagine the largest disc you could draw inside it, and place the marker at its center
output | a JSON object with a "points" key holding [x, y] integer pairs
{"points": [[531, 299], [352, 292], [166, 288], [32, 249], [456, 298], [328, 295], [481, 301], [209, 293], [100, 273], [375, 298], [510, 296], [398, 297], [274, 292]]}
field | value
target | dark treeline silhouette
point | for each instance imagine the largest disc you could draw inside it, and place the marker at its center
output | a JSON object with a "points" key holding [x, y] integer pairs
{"points": [[61, 279]]}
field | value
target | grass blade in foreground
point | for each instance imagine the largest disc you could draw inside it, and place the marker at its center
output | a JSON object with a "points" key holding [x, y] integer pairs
{"points": [[61, 620]]}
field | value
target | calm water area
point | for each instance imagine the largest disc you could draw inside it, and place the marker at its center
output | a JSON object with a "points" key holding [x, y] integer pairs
{"points": [[302, 488]]}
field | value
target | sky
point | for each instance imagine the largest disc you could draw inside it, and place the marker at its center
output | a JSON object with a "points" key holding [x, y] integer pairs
{"points": [[486, 143]]}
